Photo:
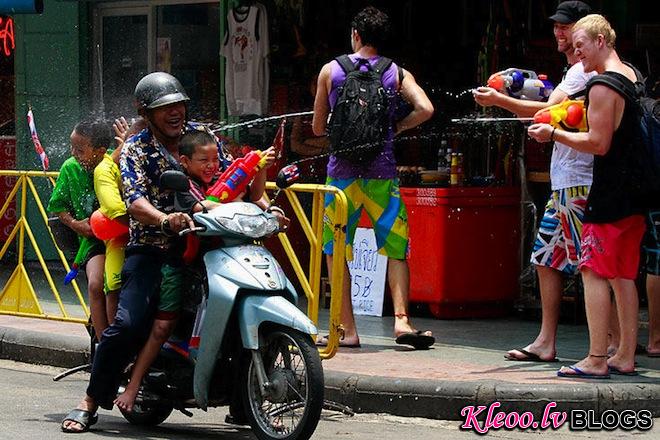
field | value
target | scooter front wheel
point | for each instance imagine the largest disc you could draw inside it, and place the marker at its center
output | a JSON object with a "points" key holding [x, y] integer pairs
{"points": [[291, 407]]}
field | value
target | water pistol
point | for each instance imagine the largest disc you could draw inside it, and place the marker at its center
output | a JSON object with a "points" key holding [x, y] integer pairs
{"points": [[84, 248], [567, 115], [522, 84], [233, 181]]}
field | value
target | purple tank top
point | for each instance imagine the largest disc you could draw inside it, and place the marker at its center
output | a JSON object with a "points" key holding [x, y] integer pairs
{"points": [[384, 166]]}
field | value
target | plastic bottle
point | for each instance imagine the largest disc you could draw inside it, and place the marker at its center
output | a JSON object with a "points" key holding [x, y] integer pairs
{"points": [[442, 159], [453, 176], [459, 169], [448, 160]]}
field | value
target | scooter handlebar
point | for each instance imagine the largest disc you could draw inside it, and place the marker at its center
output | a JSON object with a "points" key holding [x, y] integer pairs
{"points": [[190, 230]]}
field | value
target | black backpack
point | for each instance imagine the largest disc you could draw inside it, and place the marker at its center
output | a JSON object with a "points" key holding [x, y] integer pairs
{"points": [[649, 120], [360, 120]]}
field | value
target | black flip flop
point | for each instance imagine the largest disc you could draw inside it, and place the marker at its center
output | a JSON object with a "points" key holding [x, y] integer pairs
{"points": [[417, 339], [82, 417], [615, 370], [529, 357]]}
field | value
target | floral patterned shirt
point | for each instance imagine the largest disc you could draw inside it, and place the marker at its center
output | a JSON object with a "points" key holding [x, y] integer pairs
{"points": [[142, 161]]}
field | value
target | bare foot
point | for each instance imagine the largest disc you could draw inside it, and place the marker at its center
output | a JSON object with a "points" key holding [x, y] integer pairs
{"points": [[344, 341], [653, 351], [87, 404], [591, 365], [126, 399], [625, 365], [402, 325]]}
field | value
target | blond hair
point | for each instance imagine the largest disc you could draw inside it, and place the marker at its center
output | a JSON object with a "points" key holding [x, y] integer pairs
{"points": [[594, 25]]}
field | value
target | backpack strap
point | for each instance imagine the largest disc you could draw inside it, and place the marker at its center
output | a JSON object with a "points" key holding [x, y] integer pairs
{"points": [[617, 82], [382, 65], [345, 63], [578, 94]]}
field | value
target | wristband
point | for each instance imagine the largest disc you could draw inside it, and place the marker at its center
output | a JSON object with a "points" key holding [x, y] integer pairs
{"points": [[163, 223], [552, 135]]}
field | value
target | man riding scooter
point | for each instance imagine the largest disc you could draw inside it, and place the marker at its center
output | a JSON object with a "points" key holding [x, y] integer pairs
{"points": [[162, 103]]}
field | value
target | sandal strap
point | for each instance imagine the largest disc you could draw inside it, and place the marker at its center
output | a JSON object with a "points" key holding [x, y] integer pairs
{"points": [[598, 355], [401, 315]]}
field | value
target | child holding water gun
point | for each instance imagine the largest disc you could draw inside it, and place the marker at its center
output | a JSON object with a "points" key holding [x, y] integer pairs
{"points": [[198, 154]]}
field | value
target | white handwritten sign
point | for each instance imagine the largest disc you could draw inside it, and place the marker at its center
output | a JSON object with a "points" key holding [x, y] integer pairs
{"points": [[368, 270]]}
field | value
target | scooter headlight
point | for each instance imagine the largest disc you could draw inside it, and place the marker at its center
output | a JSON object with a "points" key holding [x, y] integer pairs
{"points": [[254, 226]]}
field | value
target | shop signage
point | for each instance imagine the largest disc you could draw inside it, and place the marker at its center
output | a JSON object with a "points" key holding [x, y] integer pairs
{"points": [[7, 43], [7, 162], [368, 270]]}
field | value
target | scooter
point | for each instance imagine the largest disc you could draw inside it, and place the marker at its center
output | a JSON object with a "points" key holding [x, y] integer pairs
{"points": [[251, 348]]}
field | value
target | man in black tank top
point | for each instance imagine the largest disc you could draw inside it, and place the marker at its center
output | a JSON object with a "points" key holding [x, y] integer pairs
{"points": [[614, 220]]}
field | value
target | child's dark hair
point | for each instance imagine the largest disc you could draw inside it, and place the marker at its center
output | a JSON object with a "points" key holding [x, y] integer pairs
{"points": [[193, 139], [98, 132]]}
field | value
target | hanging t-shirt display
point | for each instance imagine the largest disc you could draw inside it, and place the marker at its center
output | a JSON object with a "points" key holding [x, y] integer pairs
{"points": [[245, 47]]}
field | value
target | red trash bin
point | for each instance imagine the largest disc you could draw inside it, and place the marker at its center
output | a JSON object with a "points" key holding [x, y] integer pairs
{"points": [[464, 252]]}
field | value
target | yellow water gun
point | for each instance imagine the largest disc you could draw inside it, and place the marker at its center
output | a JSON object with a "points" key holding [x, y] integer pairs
{"points": [[568, 115]]}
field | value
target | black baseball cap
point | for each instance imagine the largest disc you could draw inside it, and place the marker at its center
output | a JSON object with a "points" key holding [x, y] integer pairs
{"points": [[570, 12]]}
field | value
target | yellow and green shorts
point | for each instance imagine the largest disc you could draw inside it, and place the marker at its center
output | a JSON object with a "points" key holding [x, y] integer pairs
{"points": [[382, 201], [114, 261]]}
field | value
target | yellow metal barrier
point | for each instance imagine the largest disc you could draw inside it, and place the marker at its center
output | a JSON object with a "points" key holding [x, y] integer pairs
{"points": [[314, 231], [18, 296]]}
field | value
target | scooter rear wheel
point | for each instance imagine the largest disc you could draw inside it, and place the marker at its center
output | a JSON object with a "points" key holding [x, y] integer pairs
{"points": [[292, 407]]}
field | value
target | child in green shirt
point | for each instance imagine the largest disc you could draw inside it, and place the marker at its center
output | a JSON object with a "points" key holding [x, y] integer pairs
{"points": [[73, 200]]}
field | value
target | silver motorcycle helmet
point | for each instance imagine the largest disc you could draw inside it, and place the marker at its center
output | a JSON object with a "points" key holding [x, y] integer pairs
{"points": [[158, 89]]}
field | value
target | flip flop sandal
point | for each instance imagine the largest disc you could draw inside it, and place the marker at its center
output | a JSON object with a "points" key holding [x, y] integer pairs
{"points": [[615, 370], [529, 357], [579, 374], [82, 417], [417, 339]]}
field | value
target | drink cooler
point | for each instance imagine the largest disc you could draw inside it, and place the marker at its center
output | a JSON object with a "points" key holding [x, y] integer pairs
{"points": [[464, 251]]}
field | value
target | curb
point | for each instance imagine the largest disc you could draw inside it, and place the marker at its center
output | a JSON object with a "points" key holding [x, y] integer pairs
{"points": [[35, 347], [427, 398], [445, 399]]}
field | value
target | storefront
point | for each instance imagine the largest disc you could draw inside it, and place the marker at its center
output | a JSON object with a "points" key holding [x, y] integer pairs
{"points": [[7, 118], [82, 58]]}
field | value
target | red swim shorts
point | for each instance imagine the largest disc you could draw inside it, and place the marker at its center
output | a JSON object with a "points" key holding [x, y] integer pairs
{"points": [[612, 250]]}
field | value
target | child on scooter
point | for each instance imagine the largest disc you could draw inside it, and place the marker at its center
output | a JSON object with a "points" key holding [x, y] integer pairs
{"points": [[198, 154]]}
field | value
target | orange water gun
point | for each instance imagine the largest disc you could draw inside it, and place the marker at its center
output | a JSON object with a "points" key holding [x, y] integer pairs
{"points": [[235, 179], [567, 115]]}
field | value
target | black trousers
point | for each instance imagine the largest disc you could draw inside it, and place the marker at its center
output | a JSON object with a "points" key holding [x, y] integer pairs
{"points": [[138, 301]]}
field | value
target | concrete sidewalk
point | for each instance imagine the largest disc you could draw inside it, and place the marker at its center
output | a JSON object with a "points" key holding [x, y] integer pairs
{"points": [[465, 367]]}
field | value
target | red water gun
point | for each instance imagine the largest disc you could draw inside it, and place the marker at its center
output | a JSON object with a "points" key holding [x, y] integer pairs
{"points": [[233, 181], [567, 115]]}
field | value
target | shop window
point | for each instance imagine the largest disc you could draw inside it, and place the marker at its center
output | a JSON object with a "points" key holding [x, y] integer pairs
{"points": [[187, 46], [125, 61], [182, 39]]}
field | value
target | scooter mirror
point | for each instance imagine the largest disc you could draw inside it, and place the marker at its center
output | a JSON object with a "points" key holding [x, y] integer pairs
{"points": [[287, 176], [174, 180]]}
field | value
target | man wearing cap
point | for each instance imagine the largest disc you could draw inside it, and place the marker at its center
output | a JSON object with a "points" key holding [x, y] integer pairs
{"points": [[556, 250], [145, 156]]}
